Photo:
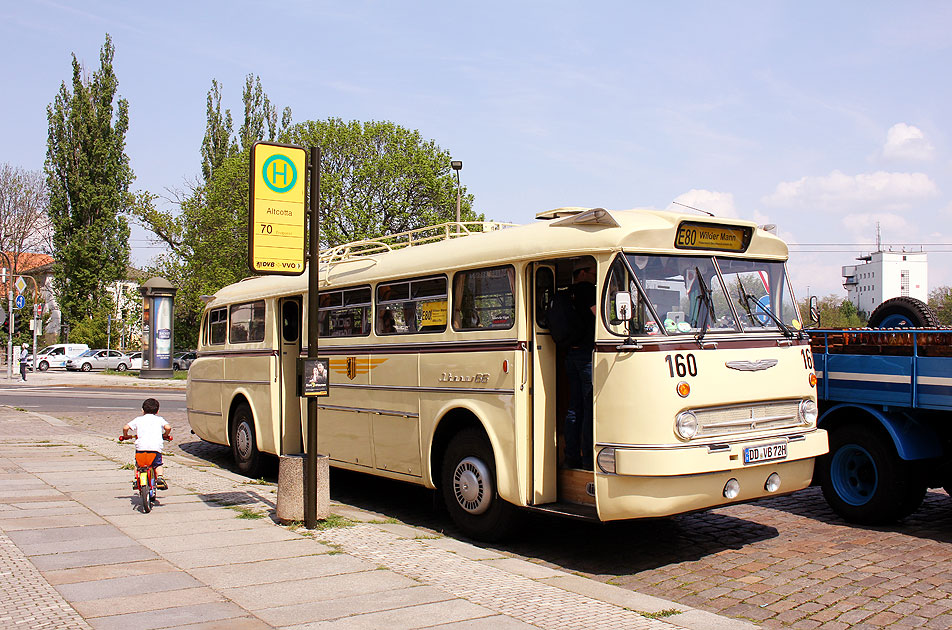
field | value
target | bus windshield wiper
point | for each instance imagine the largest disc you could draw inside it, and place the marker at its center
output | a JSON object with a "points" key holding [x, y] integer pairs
{"points": [[747, 297], [706, 298]]}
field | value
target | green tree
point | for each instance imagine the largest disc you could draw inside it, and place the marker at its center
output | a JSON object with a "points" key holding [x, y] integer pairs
{"points": [[379, 178], [940, 299], [88, 175], [835, 312]]}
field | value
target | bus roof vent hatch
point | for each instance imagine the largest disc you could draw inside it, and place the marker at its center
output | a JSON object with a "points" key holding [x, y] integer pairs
{"points": [[589, 216]]}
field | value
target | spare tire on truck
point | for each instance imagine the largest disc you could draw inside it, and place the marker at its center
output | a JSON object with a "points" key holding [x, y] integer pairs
{"points": [[903, 312]]}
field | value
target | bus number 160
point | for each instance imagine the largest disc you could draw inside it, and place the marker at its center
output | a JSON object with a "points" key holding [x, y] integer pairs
{"points": [[681, 365]]}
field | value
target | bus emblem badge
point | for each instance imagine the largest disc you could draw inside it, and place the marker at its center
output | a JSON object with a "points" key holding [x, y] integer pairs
{"points": [[351, 368], [752, 366]]}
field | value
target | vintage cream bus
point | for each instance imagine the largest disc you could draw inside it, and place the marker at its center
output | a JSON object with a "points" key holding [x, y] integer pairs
{"points": [[443, 372]]}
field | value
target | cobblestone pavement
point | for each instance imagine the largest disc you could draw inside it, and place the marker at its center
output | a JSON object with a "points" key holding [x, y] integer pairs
{"points": [[787, 562]]}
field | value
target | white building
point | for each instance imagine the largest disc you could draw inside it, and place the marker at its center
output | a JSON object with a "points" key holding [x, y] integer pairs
{"points": [[885, 275]]}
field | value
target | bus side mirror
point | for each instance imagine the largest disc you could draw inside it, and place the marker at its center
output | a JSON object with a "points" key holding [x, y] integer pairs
{"points": [[623, 306], [814, 311]]}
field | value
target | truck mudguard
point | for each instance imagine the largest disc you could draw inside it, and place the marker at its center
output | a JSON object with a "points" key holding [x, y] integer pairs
{"points": [[913, 439]]}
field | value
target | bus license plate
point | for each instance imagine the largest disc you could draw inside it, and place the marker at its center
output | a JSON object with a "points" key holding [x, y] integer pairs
{"points": [[765, 453]]}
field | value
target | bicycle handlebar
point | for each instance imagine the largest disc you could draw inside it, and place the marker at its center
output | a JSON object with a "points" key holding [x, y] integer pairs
{"points": [[167, 438]]}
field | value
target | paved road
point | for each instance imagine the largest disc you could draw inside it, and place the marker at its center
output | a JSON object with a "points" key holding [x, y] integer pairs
{"points": [[787, 562]]}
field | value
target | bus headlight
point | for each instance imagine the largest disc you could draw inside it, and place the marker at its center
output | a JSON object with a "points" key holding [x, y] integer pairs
{"points": [[686, 425], [606, 460], [808, 411]]}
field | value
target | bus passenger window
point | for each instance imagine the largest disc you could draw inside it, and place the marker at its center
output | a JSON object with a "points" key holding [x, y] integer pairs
{"points": [[217, 326], [247, 322], [483, 299], [411, 306], [344, 313]]}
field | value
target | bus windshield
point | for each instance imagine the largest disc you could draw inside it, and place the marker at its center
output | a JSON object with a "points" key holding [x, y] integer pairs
{"points": [[691, 295]]}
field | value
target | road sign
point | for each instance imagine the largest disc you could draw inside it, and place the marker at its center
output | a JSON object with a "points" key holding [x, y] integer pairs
{"points": [[20, 284], [20, 301], [278, 212], [38, 307]]}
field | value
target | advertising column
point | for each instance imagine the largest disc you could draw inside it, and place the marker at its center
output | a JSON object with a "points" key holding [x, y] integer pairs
{"points": [[158, 296]]}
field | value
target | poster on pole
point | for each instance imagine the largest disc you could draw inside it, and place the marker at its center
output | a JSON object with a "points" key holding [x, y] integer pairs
{"points": [[315, 377]]}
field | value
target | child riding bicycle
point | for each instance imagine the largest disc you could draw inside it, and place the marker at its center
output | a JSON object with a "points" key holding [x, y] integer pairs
{"points": [[151, 431]]}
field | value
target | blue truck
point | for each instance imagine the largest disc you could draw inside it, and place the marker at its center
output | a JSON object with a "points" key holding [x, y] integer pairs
{"points": [[885, 397]]}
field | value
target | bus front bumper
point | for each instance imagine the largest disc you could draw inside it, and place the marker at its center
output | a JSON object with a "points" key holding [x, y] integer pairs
{"points": [[661, 482]]}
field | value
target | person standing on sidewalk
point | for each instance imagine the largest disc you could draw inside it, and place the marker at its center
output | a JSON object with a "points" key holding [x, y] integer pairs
{"points": [[24, 353]]}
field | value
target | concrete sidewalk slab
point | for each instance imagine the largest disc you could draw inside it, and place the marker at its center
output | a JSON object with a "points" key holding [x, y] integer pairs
{"points": [[204, 568], [281, 570]]}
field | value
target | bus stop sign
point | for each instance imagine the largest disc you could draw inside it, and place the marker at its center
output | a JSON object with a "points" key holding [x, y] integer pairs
{"points": [[278, 211]]}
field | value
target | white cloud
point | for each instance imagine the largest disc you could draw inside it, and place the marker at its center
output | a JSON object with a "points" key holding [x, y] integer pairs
{"points": [[719, 203], [906, 142], [893, 227], [838, 191]]}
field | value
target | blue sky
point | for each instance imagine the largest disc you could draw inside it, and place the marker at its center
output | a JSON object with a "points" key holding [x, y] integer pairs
{"points": [[823, 118]]}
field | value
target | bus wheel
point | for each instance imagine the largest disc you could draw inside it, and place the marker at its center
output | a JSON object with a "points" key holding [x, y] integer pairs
{"points": [[865, 481], [244, 447], [469, 488]]}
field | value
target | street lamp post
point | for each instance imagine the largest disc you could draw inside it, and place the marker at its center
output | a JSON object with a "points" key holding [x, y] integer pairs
{"points": [[457, 165]]}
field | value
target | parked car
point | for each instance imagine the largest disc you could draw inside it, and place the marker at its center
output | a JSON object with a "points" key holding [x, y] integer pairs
{"points": [[99, 359], [55, 356], [183, 360], [135, 361]]}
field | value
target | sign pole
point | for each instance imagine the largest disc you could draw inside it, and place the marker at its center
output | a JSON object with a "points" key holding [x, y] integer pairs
{"points": [[310, 481], [10, 336]]}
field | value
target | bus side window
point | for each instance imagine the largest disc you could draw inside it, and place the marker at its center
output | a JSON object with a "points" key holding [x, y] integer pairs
{"points": [[217, 326], [344, 313], [247, 322], [483, 299], [411, 306]]}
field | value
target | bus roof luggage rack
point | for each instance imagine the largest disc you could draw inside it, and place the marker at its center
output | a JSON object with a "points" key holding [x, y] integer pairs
{"points": [[410, 238]]}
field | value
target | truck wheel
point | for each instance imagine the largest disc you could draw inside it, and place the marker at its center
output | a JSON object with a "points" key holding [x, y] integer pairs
{"points": [[468, 484], [865, 481], [903, 312], [244, 446]]}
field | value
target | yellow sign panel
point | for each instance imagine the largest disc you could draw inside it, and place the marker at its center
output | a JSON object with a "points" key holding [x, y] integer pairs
{"points": [[708, 236], [276, 240], [433, 313]]}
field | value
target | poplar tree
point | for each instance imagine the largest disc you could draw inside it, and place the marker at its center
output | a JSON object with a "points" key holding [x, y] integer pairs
{"points": [[88, 176]]}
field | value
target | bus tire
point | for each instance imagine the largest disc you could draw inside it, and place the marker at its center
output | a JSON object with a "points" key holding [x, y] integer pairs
{"points": [[244, 445], [468, 485], [903, 312], [865, 481]]}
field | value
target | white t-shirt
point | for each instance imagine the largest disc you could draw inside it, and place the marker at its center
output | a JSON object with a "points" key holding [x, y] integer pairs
{"points": [[148, 430]]}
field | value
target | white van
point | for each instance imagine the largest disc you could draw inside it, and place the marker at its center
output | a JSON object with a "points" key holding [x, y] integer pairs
{"points": [[55, 356]]}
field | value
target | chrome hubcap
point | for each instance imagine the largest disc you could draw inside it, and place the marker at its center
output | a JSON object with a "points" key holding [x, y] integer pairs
{"points": [[471, 485], [243, 440]]}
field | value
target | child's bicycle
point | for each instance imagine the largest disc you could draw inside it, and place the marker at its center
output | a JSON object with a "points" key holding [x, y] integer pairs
{"points": [[145, 474]]}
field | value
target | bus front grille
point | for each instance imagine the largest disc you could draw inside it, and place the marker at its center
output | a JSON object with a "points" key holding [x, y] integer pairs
{"points": [[734, 419]]}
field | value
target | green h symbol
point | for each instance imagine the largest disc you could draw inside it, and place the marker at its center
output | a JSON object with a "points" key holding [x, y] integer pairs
{"points": [[283, 173]]}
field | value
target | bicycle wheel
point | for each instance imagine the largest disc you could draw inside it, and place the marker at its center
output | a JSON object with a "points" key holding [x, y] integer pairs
{"points": [[145, 491]]}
